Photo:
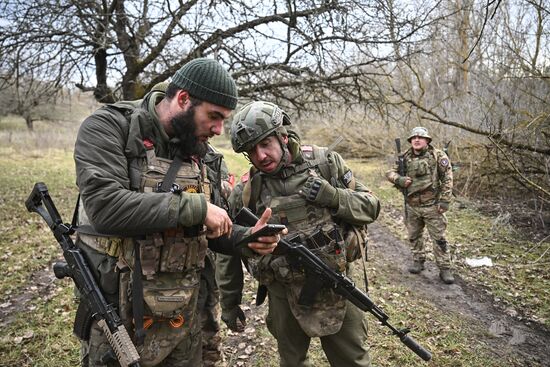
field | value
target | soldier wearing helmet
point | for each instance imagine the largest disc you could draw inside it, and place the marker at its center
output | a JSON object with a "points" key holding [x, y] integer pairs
{"points": [[312, 191], [429, 183]]}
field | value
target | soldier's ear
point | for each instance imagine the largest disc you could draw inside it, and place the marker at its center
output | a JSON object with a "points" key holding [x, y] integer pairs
{"points": [[183, 99]]}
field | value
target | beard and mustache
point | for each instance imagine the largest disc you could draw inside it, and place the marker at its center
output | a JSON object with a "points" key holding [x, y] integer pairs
{"points": [[185, 128]]}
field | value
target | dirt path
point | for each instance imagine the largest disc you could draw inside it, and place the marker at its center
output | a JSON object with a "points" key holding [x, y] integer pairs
{"points": [[40, 285], [505, 333]]}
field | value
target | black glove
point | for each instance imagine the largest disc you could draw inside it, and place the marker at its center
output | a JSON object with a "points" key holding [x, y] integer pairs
{"points": [[320, 191], [234, 318]]}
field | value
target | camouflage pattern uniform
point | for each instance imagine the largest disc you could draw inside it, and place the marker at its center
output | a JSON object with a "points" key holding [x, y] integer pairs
{"points": [[209, 294], [432, 184], [119, 153], [341, 326]]}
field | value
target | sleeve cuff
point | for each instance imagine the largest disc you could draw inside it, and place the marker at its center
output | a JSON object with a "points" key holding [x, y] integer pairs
{"points": [[192, 209]]}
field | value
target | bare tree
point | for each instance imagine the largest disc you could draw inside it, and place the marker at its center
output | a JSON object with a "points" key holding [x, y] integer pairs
{"points": [[484, 78], [305, 54], [29, 84]]}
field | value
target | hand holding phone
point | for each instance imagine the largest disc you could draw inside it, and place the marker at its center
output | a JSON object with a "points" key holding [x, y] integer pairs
{"points": [[267, 230]]}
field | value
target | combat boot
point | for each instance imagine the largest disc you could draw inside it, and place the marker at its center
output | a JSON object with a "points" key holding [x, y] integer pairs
{"points": [[416, 267], [446, 276]]}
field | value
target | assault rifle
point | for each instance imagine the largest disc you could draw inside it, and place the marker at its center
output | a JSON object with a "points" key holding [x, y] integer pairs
{"points": [[402, 170], [75, 267], [322, 275]]}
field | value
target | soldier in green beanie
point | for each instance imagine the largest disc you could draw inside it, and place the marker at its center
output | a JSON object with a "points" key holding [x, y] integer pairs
{"points": [[428, 181], [312, 191], [149, 210]]}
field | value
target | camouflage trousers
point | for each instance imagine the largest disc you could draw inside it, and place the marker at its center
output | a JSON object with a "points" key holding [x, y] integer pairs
{"points": [[345, 348], [185, 354], [210, 316], [419, 217]]}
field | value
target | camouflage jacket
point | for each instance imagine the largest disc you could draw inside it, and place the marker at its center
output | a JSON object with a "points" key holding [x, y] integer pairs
{"points": [[430, 171], [106, 145]]}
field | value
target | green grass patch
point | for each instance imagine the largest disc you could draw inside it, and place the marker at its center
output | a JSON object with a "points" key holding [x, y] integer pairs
{"points": [[43, 337], [26, 241]]}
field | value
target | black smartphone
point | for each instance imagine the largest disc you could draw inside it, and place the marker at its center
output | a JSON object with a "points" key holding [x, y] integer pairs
{"points": [[267, 230]]}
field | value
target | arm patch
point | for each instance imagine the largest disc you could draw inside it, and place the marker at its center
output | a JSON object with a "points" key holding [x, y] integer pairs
{"points": [[347, 177], [444, 162]]}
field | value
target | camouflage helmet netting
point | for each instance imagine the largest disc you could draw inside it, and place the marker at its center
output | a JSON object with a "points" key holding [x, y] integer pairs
{"points": [[254, 122], [419, 131]]}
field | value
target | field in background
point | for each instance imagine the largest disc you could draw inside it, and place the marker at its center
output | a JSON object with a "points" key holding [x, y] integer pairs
{"points": [[40, 333]]}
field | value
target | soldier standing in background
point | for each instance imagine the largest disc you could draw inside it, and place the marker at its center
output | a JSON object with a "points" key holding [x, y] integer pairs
{"points": [[312, 192], [428, 181]]}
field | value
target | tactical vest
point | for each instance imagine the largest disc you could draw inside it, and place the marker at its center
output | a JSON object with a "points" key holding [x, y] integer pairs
{"points": [[425, 182]]}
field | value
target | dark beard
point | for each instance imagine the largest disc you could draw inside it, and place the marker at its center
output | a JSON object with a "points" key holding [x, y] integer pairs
{"points": [[185, 127]]}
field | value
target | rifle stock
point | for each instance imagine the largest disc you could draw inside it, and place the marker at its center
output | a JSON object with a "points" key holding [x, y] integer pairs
{"points": [[76, 267], [338, 282]]}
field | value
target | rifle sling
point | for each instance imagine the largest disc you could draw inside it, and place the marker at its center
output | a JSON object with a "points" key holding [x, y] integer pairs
{"points": [[170, 176], [137, 296], [261, 294]]}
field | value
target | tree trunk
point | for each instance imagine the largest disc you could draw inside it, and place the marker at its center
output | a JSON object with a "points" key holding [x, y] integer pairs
{"points": [[28, 121]]}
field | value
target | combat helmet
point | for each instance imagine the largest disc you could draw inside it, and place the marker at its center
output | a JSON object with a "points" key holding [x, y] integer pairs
{"points": [[419, 131], [254, 122]]}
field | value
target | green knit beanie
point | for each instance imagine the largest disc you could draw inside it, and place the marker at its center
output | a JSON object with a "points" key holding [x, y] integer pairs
{"points": [[208, 81]]}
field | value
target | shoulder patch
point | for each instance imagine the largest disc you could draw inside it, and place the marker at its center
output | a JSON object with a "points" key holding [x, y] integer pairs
{"points": [[444, 162], [347, 177], [307, 152], [245, 177]]}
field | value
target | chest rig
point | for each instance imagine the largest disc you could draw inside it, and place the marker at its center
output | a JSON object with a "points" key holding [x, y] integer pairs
{"points": [[423, 171], [176, 250]]}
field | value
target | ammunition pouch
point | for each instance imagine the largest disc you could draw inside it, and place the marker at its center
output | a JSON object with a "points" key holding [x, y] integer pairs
{"points": [[106, 245], [170, 295], [356, 242]]}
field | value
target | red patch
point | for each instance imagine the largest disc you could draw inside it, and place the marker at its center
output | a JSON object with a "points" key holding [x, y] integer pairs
{"points": [[148, 144], [231, 180], [245, 177], [307, 148]]}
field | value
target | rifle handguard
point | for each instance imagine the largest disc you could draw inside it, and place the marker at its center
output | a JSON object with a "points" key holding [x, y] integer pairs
{"points": [[123, 347]]}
